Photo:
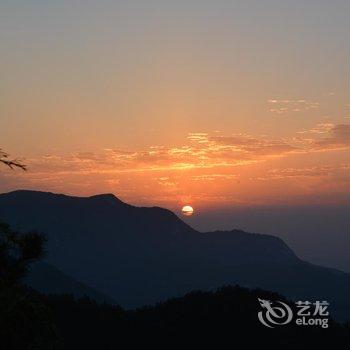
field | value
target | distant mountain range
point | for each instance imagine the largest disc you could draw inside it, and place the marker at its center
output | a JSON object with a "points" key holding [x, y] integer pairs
{"points": [[47, 279], [138, 256]]}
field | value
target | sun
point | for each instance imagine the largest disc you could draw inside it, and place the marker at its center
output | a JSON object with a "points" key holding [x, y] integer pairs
{"points": [[187, 210]]}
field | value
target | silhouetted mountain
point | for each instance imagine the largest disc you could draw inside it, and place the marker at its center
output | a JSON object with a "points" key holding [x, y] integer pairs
{"points": [[142, 255], [47, 279]]}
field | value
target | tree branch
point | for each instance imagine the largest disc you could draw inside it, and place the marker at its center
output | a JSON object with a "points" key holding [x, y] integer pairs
{"points": [[11, 163]]}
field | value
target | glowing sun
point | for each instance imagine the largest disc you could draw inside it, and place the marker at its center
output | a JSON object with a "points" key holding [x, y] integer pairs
{"points": [[187, 210]]}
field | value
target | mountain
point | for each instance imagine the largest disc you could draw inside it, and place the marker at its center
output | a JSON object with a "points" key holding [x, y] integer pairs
{"points": [[141, 255], [47, 279]]}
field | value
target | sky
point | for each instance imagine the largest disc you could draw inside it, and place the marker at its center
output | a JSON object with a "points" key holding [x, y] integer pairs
{"points": [[215, 104]]}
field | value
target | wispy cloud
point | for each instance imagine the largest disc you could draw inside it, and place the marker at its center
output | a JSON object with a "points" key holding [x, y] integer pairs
{"points": [[299, 172], [321, 128], [206, 161], [337, 138], [281, 106], [201, 151]]}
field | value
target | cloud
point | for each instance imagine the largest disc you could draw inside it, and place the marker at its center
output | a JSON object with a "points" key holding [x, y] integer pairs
{"points": [[287, 105], [300, 172], [214, 177], [205, 162], [329, 172], [338, 138], [321, 128], [201, 151]]}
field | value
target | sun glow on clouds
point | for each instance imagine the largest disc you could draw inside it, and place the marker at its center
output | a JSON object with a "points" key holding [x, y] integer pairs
{"points": [[208, 168]]}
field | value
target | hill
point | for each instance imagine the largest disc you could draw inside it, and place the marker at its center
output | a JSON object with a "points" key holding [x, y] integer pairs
{"points": [[140, 256], [47, 279]]}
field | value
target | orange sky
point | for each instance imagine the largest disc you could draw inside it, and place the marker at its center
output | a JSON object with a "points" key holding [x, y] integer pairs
{"points": [[208, 170], [170, 104]]}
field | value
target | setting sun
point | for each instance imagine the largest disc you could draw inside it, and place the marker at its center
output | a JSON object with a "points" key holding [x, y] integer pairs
{"points": [[187, 210]]}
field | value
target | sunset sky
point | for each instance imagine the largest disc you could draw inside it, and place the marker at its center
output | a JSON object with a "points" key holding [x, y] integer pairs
{"points": [[206, 103]]}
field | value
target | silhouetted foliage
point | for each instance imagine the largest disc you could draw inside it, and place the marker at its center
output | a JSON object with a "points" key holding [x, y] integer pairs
{"points": [[227, 316], [11, 163], [16, 252], [25, 321]]}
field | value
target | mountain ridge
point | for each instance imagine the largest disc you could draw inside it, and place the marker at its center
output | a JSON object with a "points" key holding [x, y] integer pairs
{"points": [[109, 198], [142, 255]]}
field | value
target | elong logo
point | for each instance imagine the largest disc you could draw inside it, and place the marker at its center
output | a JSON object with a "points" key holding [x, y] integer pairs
{"points": [[274, 315], [278, 313]]}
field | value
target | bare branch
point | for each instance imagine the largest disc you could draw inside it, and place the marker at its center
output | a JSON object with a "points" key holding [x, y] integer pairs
{"points": [[11, 163]]}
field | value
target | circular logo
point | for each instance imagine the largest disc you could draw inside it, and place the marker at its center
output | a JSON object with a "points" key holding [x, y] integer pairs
{"points": [[274, 315]]}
